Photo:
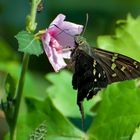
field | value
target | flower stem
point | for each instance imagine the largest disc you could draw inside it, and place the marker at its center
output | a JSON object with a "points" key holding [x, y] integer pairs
{"points": [[19, 94], [31, 19], [30, 27]]}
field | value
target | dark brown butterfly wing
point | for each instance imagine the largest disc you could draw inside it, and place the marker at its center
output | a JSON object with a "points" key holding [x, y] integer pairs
{"points": [[117, 67], [96, 70], [103, 68]]}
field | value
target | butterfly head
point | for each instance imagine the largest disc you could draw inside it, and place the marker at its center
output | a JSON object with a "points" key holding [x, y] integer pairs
{"points": [[79, 40]]}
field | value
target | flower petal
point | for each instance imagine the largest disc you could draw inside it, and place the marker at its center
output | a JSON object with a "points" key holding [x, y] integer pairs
{"points": [[64, 31], [55, 58], [58, 37], [58, 20], [72, 28]]}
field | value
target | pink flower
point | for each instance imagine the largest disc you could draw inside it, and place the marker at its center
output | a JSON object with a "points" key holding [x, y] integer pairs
{"points": [[58, 37]]}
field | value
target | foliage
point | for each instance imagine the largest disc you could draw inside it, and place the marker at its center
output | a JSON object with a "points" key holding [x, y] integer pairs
{"points": [[64, 97], [125, 40], [114, 111], [118, 113], [28, 43], [136, 135]]}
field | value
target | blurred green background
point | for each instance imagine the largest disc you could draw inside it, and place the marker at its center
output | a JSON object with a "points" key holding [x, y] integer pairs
{"points": [[118, 101], [102, 17]]}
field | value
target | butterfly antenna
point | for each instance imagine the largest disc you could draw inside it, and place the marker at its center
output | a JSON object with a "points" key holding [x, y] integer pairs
{"points": [[82, 113], [85, 24]]}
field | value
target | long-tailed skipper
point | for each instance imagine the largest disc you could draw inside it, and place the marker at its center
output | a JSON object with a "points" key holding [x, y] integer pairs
{"points": [[95, 68]]}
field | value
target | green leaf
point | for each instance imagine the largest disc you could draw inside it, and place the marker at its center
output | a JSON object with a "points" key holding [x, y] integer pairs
{"points": [[28, 43], [58, 127], [126, 39], [136, 135], [118, 114], [39, 132], [64, 97]]}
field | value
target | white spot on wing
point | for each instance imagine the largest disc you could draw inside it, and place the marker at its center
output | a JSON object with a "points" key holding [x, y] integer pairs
{"points": [[94, 71], [95, 80], [114, 75]]}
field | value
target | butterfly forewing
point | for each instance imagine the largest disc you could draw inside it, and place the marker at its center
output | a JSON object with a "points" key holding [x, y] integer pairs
{"points": [[118, 67]]}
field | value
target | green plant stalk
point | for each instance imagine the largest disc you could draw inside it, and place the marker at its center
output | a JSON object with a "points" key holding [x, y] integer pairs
{"points": [[30, 27], [31, 24], [19, 95]]}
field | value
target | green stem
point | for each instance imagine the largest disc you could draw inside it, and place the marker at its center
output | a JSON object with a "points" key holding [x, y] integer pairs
{"points": [[32, 18], [19, 95], [32, 24], [30, 28]]}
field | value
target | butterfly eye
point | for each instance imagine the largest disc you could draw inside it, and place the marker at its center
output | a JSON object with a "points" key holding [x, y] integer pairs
{"points": [[79, 41]]}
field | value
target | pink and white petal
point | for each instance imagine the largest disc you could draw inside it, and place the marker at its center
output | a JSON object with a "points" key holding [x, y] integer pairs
{"points": [[53, 31], [58, 38], [56, 60], [66, 54], [55, 44], [58, 20], [67, 32], [71, 28], [46, 40], [66, 40], [53, 53]]}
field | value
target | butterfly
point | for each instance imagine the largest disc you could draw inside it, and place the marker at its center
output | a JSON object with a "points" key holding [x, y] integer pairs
{"points": [[95, 68]]}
